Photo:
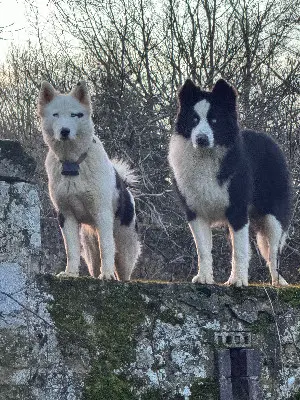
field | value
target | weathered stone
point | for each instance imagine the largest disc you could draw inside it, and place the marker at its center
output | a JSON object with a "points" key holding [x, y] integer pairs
{"points": [[224, 363], [83, 338], [245, 310], [20, 238], [225, 389], [53, 254], [15, 164], [12, 279], [31, 362]]}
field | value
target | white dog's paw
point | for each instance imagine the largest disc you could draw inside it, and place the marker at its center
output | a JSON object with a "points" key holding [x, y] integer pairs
{"points": [[204, 278], [67, 274], [107, 276], [279, 281], [236, 280]]}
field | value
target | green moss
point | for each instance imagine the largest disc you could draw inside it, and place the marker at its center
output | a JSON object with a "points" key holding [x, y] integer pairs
{"points": [[159, 394], [295, 396], [154, 394], [203, 290], [102, 318], [116, 309], [290, 295], [13, 392], [263, 323], [204, 389], [240, 294], [107, 386], [169, 317]]}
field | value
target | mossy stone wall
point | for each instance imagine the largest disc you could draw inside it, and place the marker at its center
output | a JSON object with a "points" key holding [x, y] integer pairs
{"points": [[141, 340]]}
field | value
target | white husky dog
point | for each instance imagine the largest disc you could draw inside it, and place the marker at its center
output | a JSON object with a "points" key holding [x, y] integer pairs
{"points": [[88, 190]]}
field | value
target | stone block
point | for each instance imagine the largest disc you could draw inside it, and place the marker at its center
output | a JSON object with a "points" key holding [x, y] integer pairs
{"points": [[54, 254], [20, 237], [224, 363], [225, 387], [12, 281]]}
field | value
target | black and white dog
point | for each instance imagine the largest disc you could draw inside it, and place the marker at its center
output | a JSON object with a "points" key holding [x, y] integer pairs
{"points": [[227, 176]]}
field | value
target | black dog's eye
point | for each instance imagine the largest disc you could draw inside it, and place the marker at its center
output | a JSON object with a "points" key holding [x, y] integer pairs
{"points": [[213, 120], [55, 115], [79, 115], [195, 120]]}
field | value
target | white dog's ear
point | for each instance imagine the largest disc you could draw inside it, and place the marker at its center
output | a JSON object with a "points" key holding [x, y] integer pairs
{"points": [[81, 93], [47, 93]]}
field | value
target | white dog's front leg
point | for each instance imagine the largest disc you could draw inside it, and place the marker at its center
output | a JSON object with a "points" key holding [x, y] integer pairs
{"points": [[240, 256], [203, 240], [70, 231], [105, 227]]}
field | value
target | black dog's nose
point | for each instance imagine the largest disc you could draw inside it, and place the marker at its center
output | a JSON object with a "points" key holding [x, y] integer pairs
{"points": [[202, 140], [65, 133]]}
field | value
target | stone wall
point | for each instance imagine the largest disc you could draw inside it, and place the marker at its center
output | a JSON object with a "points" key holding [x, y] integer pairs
{"points": [[72, 339], [20, 238], [85, 339]]}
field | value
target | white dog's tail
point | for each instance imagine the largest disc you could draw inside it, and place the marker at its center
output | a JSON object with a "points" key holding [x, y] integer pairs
{"points": [[126, 173], [282, 241]]}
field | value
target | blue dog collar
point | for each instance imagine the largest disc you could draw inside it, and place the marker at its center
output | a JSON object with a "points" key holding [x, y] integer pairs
{"points": [[70, 168]]}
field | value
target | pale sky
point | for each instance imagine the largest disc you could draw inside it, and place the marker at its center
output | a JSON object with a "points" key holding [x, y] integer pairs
{"points": [[13, 19]]}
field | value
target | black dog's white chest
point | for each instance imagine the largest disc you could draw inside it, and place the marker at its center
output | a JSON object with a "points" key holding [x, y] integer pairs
{"points": [[196, 174]]}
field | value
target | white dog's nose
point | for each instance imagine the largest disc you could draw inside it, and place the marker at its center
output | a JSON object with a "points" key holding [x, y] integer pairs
{"points": [[65, 133]]}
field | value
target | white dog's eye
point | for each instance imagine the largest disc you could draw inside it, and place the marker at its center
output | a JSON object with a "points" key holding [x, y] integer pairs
{"points": [[79, 115], [55, 115]]}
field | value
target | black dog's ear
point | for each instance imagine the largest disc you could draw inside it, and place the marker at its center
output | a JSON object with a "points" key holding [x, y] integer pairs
{"points": [[188, 93], [225, 93]]}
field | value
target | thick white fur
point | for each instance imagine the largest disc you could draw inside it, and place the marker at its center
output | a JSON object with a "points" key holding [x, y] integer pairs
{"points": [[196, 172], [240, 256], [127, 174], [203, 239], [88, 201]]}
